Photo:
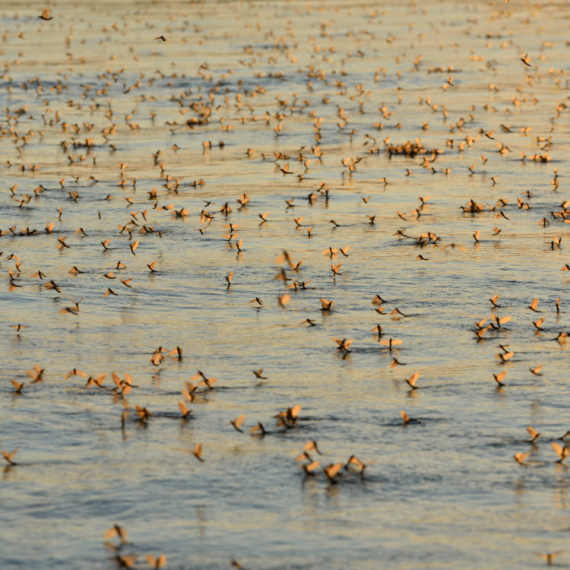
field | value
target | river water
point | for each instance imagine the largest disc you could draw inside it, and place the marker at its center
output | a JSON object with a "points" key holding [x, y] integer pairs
{"points": [[282, 101]]}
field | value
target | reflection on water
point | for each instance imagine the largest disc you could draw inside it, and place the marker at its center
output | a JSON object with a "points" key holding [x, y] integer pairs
{"points": [[257, 129]]}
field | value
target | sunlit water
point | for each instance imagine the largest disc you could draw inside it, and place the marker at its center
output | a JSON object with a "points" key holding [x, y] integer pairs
{"points": [[442, 493]]}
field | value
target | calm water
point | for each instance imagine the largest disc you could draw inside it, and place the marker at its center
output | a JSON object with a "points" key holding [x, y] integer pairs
{"points": [[444, 492]]}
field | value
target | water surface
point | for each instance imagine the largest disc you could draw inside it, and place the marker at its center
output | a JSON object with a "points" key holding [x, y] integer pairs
{"points": [[441, 493]]}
